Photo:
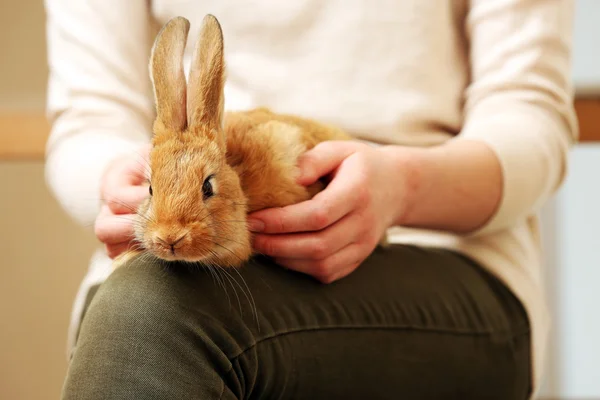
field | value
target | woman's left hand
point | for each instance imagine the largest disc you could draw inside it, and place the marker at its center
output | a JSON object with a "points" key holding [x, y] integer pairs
{"points": [[330, 235]]}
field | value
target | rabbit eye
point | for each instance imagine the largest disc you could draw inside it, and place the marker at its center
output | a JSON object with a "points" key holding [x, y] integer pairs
{"points": [[207, 188], [150, 190]]}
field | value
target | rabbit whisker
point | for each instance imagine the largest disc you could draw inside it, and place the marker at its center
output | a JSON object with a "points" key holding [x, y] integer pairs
{"points": [[251, 300], [212, 267], [253, 304], [219, 270]]}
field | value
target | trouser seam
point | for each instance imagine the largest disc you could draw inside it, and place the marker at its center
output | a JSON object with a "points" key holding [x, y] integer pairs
{"points": [[223, 385], [454, 332]]}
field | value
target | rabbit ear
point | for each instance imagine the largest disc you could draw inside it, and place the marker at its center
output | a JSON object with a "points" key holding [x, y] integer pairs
{"points": [[168, 77], [207, 78]]}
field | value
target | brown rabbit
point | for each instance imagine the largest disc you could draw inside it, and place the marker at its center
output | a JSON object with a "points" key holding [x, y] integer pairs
{"points": [[210, 168]]}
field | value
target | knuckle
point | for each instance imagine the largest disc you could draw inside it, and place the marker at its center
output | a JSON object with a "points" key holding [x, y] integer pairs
{"points": [[270, 248], [280, 221], [320, 249], [266, 246], [362, 194], [320, 218]]}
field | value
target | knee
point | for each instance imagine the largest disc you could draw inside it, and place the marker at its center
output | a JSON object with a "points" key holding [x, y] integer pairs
{"points": [[148, 330], [134, 300], [150, 305]]}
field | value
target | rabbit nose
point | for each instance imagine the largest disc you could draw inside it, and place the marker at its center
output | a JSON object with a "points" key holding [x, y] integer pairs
{"points": [[169, 241]]}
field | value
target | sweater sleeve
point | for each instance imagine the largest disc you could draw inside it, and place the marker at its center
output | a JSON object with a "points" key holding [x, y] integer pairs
{"points": [[99, 95], [520, 100]]}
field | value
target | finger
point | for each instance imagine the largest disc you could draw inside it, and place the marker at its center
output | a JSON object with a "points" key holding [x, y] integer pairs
{"points": [[339, 198], [323, 159], [314, 245], [130, 170], [308, 216], [329, 269], [114, 250], [113, 229], [126, 199]]}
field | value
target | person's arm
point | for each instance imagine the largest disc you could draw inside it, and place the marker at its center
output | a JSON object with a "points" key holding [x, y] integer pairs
{"points": [[99, 94], [520, 106]]}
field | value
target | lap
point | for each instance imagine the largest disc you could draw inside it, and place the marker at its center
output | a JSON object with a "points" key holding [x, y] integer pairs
{"points": [[421, 322]]}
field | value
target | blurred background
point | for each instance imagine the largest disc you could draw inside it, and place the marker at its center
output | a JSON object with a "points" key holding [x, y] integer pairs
{"points": [[45, 254]]}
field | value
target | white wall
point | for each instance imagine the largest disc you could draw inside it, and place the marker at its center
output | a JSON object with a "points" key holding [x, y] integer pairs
{"points": [[586, 61], [573, 239], [578, 232]]}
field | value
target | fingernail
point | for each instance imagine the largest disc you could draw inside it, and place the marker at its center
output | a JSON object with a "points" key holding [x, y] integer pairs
{"points": [[256, 225], [299, 174], [304, 176]]}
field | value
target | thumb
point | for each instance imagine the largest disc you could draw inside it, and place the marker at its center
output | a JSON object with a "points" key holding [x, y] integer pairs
{"points": [[323, 159]]}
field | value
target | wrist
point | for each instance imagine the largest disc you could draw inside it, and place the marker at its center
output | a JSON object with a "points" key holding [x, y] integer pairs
{"points": [[406, 180]]}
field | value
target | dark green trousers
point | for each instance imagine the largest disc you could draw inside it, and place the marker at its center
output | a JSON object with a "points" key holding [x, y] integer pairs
{"points": [[409, 323]]}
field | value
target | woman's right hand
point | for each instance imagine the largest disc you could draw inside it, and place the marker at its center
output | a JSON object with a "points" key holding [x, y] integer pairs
{"points": [[122, 189]]}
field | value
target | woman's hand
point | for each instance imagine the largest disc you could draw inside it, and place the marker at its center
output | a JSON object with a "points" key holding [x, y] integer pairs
{"points": [[330, 235], [455, 187], [123, 188]]}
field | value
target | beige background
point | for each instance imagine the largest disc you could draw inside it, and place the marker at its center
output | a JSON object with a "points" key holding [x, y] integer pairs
{"points": [[44, 254], [23, 57]]}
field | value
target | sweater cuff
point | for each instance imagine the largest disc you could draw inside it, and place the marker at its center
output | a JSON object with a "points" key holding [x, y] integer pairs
{"points": [[531, 146], [74, 168]]}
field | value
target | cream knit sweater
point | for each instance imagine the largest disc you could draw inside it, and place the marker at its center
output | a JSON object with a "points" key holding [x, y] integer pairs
{"points": [[411, 72]]}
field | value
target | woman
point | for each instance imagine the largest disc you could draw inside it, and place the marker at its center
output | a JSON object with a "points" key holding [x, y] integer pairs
{"points": [[467, 111]]}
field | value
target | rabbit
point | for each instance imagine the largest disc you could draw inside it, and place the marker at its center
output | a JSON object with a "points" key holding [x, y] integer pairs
{"points": [[210, 168]]}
